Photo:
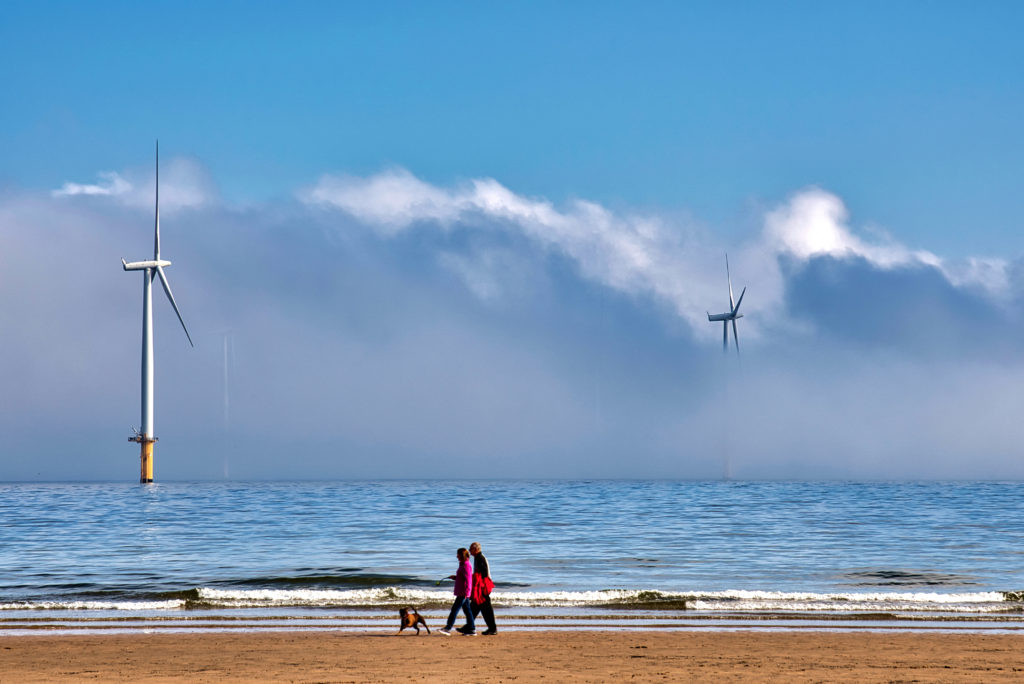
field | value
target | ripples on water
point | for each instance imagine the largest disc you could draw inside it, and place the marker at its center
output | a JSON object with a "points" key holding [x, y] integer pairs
{"points": [[280, 550]]}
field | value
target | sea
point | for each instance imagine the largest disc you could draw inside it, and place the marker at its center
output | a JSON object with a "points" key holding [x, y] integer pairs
{"points": [[593, 554]]}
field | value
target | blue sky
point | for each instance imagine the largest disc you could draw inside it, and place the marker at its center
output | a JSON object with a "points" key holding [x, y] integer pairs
{"points": [[499, 227], [908, 110]]}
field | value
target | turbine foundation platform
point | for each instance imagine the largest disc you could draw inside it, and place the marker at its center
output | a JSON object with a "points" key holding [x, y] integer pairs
{"points": [[146, 457]]}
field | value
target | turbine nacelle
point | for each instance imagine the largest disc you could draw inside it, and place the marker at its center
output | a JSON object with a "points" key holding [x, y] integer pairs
{"points": [[727, 316], [143, 265]]}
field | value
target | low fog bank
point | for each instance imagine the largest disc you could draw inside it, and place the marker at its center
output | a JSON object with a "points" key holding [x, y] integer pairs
{"points": [[382, 327]]}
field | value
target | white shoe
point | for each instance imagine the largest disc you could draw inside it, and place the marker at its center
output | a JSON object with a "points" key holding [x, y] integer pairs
{"points": [[445, 630]]}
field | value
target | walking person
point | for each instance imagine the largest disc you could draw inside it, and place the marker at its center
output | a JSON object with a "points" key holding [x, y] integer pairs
{"points": [[463, 587], [482, 587]]}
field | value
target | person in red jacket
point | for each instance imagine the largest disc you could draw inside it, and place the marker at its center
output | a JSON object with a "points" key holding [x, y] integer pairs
{"points": [[482, 586], [463, 588]]}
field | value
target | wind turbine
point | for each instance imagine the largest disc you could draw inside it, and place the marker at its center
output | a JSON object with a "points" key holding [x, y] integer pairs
{"points": [[150, 270], [731, 315]]}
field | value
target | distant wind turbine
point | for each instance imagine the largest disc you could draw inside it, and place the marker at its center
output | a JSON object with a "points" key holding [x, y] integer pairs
{"points": [[151, 269], [731, 315]]}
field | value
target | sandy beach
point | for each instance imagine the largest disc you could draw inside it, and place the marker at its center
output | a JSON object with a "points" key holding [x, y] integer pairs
{"points": [[791, 656]]}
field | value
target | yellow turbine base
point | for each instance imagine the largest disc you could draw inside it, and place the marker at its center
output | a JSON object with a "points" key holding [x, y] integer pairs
{"points": [[147, 462]]}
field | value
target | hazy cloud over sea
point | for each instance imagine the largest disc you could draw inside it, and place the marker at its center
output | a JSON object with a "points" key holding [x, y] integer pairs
{"points": [[386, 326]]}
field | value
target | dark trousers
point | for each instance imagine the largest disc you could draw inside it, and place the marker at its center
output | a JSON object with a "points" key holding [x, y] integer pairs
{"points": [[488, 612], [461, 603]]}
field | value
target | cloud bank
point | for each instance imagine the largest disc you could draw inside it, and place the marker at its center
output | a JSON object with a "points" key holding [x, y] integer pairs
{"points": [[635, 254], [640, 254], [388, 327]]}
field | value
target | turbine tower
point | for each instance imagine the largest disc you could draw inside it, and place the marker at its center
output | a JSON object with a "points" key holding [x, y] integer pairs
{"points": [[731, 315], [150, 270]]}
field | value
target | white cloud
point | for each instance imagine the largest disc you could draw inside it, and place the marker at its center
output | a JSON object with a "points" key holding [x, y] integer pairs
{"points": [[184, 184], [635, 254], [679, 265], [815, 223], [391, 201], [991, 274], [113, 185], [640, 254]]}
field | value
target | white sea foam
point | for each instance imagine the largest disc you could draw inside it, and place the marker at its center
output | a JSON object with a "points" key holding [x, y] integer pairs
{"points": [[972, 602], [320, 597], [897, 602], [582, 598], [94, 605], [733, 600], [915, 597], [753, 600], [397, 596], [715, 601]]}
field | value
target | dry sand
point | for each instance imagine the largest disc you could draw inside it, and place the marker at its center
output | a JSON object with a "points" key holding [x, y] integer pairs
{"points": [[550, 656]]}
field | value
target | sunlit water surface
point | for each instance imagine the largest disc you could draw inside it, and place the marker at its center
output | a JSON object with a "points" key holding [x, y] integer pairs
{"points": [[577, 554]]}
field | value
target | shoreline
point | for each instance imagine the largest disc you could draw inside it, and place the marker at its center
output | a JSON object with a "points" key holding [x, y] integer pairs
{"points": [[67, 623], [376, 630], [381, 627], [796, 655]]}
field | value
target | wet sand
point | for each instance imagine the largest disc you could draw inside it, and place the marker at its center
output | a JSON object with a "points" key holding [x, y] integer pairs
{"points": [[549, 656]]}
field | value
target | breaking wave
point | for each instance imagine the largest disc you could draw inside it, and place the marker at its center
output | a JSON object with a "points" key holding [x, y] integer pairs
{"points": [[735, 601], [171, 604]]}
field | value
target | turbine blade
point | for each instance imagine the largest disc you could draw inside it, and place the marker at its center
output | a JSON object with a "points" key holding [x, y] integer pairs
{"points": [[737, 307], [729, 277], [736, 335], [156, 230], [167, 289]]}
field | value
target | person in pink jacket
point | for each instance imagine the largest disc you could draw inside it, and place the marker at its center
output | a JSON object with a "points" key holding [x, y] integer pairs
{"points": [[463, 589]]}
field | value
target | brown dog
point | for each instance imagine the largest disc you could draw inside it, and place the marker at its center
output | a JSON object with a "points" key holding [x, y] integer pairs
{"points": [[410, 618]]}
